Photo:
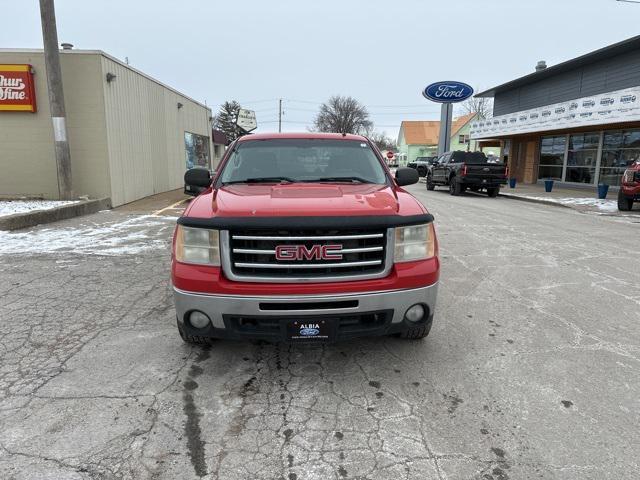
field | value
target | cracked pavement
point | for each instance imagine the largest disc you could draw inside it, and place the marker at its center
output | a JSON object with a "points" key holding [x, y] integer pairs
{"points": [[531, 369]]}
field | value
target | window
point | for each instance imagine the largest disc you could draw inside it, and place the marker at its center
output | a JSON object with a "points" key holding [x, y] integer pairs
{"points": [[552, 157], [619, 150], [196, 150], [303, 160], [581, 157], [463, 139]]}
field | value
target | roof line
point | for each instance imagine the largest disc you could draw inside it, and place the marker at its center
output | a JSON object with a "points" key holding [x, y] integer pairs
{"points": [[113, 59], [603, 52]]}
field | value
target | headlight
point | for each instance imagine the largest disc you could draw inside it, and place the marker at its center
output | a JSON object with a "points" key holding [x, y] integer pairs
{"points": [[197, 245], [414, 243]]}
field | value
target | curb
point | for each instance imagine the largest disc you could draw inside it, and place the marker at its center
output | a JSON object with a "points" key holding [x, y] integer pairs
{"points": [[535, 200], [37, 217]]}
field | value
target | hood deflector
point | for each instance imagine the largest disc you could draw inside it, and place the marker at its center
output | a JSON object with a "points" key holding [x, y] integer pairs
{"points": [[367, 222]]}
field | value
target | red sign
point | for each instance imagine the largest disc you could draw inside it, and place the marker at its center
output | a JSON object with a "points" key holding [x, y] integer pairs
{"points": [[17, 90], [390, 155]]}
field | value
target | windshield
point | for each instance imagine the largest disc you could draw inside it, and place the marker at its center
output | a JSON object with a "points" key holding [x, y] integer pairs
{"points": [[303, 160]]}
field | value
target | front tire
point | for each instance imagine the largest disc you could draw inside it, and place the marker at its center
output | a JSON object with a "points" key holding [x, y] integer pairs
{"points": [[192, 339], [422, 172], [624, 203], [454, 186], [430, 184], [493, 192], [418, 332]]}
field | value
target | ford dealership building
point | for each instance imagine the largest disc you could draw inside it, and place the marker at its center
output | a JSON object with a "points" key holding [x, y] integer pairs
{"points": [[577, 122]]}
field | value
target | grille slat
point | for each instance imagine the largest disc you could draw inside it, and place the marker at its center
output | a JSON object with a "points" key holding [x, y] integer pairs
{"points": [[252, 254], [321, 237], [308, 265]]}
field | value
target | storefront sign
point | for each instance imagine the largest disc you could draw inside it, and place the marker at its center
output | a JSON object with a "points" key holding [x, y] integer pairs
{"points": [[17, 90], [612, 107], [247, 120], [447, 92]]}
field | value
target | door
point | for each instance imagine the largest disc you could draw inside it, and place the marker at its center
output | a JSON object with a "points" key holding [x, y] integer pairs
{"points": [[440, 168]]}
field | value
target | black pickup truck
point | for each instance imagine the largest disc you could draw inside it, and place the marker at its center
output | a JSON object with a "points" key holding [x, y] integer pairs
{"points": [[422, 164], [461, 170]]}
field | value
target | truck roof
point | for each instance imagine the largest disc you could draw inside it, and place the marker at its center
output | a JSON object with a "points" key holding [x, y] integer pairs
{"points": [[302, 135]]}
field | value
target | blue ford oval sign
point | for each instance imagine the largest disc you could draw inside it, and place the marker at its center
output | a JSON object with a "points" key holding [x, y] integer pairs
{"points": [[447, 92]]}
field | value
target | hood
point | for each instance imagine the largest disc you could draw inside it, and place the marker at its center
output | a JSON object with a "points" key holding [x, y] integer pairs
{"points": [[300, 199]]}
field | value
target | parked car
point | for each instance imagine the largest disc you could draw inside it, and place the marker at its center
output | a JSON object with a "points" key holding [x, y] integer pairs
{"points": [[422, 164], [630, 188], [461, 170], [304, 237]]}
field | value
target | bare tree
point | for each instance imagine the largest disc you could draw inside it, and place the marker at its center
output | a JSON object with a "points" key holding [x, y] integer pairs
{"points": [[382, 141], [483, 106], [342, 115]]}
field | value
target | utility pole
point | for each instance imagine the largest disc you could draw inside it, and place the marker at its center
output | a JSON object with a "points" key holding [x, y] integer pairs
{"points": [[56, 98], [280, 116]]}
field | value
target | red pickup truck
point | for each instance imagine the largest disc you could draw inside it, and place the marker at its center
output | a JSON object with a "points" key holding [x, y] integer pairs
{"points": [[304, 237], [630, 188]]}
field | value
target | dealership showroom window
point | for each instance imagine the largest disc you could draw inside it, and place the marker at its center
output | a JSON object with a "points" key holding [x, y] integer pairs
{"points": [[574, 158]]}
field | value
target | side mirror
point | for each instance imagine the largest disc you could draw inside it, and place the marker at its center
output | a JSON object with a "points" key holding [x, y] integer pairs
{"points": [[196, 180], [406, 176]]}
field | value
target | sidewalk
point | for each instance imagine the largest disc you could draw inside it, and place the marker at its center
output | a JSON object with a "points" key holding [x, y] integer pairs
{"points": [[583, 200]]}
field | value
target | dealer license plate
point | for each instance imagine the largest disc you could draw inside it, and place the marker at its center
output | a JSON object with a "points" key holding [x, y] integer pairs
{"points": [[305, 330]]}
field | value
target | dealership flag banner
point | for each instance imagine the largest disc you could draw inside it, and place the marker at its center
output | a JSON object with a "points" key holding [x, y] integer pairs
{"points": [[613, 107], [17, 90]]}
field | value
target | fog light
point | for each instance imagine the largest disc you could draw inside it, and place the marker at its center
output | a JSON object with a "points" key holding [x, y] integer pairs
{"points": [[415, 313], [198, 319]]}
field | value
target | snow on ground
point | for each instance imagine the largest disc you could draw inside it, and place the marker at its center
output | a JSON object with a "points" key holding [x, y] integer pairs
{"points": [[609, 206], [131, 236], [10, 207]]}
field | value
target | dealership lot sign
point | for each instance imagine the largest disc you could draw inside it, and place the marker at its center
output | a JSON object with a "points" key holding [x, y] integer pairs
{"points": [[17, 90], [607, 108], [447, 92]]}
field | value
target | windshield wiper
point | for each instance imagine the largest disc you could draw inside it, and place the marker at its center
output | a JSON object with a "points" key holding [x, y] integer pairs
{"points": [[262, 180], [342, 179]]}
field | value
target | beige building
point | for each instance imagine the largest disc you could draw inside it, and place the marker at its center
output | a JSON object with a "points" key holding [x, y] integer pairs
{"points": [[130, 135]]}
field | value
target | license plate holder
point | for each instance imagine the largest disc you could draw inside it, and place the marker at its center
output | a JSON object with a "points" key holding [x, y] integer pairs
{"points": [[315, 330]]}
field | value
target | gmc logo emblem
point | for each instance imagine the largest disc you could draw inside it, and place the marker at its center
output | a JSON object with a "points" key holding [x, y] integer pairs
{"points": [[302, 252]]}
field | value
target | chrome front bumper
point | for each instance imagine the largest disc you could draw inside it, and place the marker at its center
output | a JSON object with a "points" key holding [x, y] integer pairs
{"points": [[219, 306]]}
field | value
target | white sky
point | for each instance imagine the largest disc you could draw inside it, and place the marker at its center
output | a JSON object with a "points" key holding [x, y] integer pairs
{"points": [[382, 52]]}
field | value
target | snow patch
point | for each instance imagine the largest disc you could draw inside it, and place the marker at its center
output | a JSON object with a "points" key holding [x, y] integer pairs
{"points": [[602, 205], [11, 207], [128, 237]]}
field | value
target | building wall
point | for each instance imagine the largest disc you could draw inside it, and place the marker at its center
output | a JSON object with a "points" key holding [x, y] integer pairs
{"points": [[126, 137], [615, 73], [27, 157], [145, 131]]}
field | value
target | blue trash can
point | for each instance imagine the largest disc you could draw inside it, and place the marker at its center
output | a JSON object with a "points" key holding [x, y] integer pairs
{"points": [[548, 185], [512, 183], [603, 189]]}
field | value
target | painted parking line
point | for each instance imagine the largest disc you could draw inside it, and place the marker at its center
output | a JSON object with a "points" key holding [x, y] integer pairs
{"points": [[170, 207]]}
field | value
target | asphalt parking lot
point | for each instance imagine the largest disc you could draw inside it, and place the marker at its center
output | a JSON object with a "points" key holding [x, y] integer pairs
{"points": [[531, 369]]}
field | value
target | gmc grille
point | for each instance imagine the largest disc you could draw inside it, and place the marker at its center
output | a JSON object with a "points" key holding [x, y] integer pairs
{"points": [[251, 255]]}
